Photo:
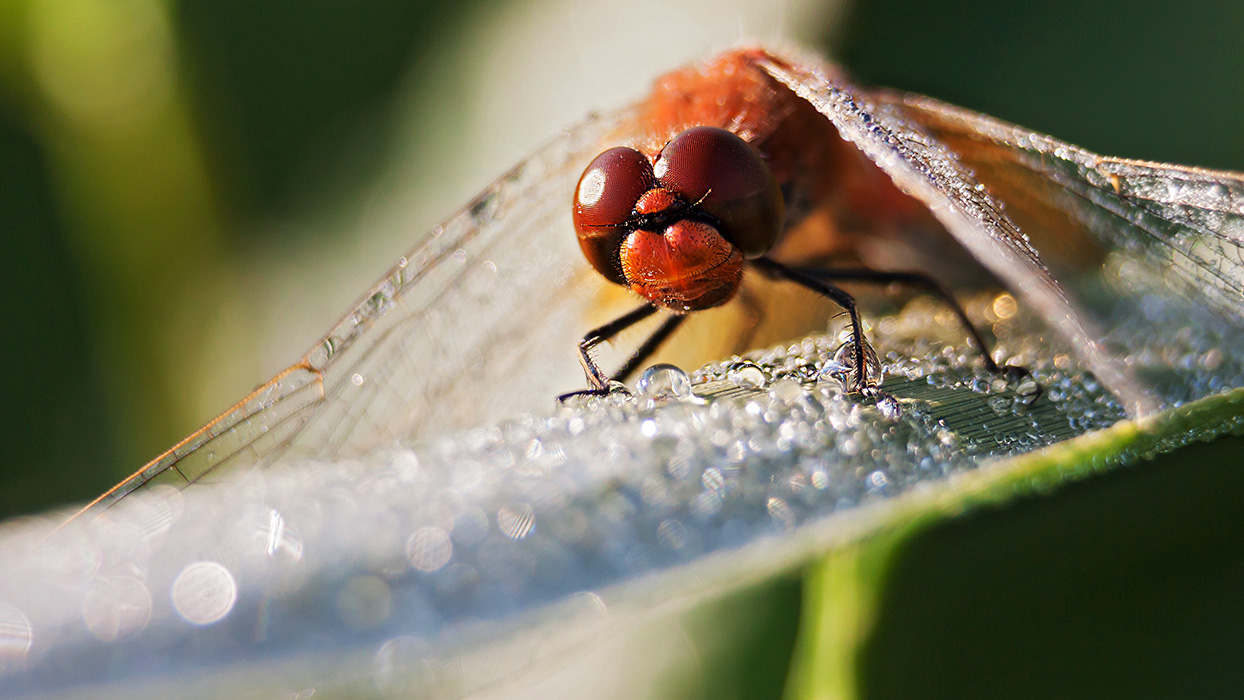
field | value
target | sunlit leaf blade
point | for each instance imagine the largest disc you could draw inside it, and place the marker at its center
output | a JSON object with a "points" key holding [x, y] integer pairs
{"points": [[534, 541]]}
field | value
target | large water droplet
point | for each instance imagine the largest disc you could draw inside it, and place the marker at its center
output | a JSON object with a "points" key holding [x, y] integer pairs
{"points": [[787, 390], [842, 368], [664, 382], [747, 374]]}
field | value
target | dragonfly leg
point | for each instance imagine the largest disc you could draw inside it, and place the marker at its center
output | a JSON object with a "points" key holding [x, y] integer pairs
{"points": [[1012, 373], [838, 296], [598, 380]]}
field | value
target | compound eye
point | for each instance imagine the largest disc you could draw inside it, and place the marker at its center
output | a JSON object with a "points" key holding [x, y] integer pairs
{"points": [[603, 201], [728, 180], [609, 188]]}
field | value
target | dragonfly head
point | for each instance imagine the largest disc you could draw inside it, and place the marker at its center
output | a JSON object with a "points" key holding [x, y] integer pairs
{"points": [[677, 229]]}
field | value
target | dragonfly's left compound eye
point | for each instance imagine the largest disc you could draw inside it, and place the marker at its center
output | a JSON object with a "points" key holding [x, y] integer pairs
{"points": [[727, 179], [603, 203]]}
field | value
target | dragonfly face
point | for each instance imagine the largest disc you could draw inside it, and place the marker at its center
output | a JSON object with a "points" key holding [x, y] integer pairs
{"points": [[867, 178], [676, 231]]}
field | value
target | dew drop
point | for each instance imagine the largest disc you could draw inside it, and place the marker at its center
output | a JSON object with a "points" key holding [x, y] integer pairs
{"points": [[712, 479], [204, 592], [877, 480], [516, 523], [787, 390], [889, 406], [116, 608], [16, 636], [664, 381], [842, 369], [671, 534], [616, 387], [781, 512], [429, 549], [747, 374], [1028, 389]]}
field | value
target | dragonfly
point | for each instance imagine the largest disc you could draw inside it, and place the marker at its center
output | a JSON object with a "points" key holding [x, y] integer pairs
{"points": [[1128, 261]]}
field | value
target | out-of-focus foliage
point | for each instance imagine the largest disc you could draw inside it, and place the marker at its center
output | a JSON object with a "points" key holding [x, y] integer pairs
{"points": [[139, 141]]}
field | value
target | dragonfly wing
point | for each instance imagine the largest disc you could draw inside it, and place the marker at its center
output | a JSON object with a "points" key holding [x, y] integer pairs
{"points": [[1154, 252], [443, 341], [927, 169]]}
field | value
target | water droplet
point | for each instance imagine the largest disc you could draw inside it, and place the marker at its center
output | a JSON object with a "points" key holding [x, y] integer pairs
{"points": [[204, 592], [1028, 389], [429, 549], [787, 390], [1212, 359], [820, 479], [116, 608], [664, 381], [1004, 306], [842, 368], [16, 636], [712, 479], [889, 406], [877, 481], [671, 534], [616, 387], [747, 374], [781, 512], [516, 523]]}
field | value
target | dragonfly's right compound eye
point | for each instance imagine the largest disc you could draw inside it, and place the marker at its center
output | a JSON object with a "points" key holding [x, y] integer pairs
{"points": [[603, 202]]}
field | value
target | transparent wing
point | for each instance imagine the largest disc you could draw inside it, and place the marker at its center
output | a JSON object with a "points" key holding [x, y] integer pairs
{"points": [[1153, 253], [478, 322], [466, 328], [1147, 258]]}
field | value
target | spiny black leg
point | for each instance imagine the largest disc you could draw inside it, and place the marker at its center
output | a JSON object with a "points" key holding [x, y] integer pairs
{"points": [[834, 294], [914, 279], [1012, 373], [595, 337], [595, 377], [668, 326]]}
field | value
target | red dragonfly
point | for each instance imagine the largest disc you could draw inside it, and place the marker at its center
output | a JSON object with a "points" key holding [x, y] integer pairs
{"points": [[885, 186]]}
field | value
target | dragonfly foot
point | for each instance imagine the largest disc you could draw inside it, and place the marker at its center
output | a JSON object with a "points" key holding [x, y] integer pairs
{"points": [[614, 387], [1026, 385]]}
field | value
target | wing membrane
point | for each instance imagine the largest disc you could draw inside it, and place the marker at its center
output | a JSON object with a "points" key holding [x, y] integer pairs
{"points": [[461, 331], [1154, 252], [930, 171], [1190, 216], [443, 341]]}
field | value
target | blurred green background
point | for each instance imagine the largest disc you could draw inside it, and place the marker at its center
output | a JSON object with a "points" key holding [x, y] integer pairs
{"points": [[192, 191]]}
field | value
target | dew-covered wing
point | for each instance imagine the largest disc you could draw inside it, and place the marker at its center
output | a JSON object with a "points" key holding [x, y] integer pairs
{"points": [[927, 169], [459, 332], [1153, 252]]}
